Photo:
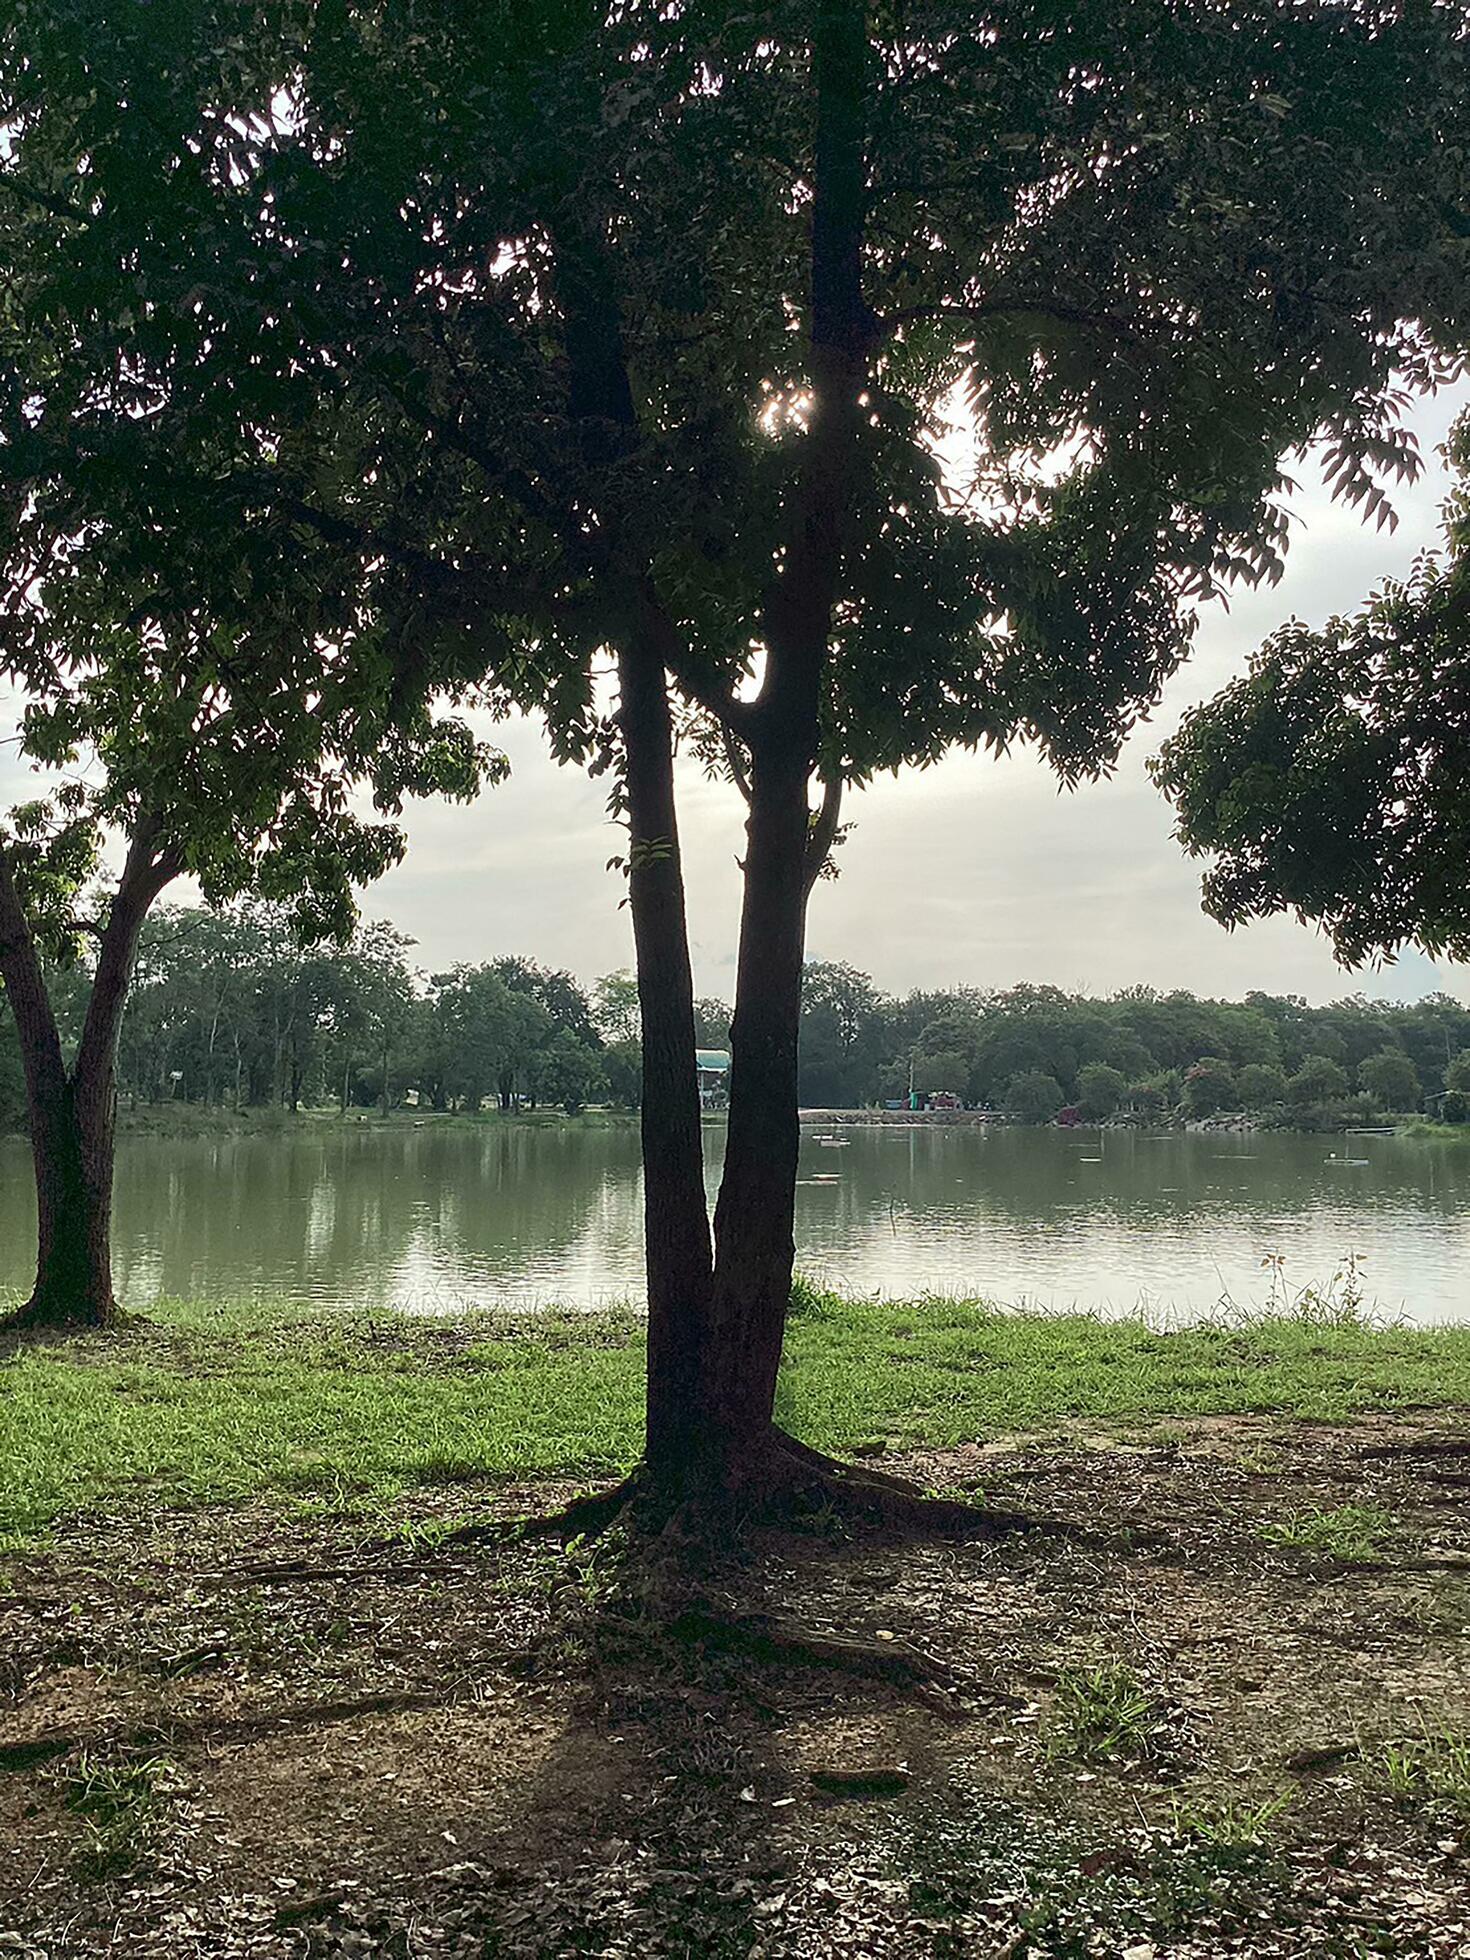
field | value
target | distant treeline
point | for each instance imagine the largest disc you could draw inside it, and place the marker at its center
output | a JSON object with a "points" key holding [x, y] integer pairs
{"points": [[229, 1010], [1032, 1050]]}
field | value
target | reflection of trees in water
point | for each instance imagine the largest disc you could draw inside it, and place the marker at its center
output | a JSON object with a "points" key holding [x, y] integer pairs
{"points": [[17, 1215], [369, 1216], [1028, 1177], [404, 1214]]}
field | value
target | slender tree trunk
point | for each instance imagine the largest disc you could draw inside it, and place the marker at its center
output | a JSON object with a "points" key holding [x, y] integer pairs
{"points": [[73, 1114], [675, 1214], [754, 1244], [754, 1219]]}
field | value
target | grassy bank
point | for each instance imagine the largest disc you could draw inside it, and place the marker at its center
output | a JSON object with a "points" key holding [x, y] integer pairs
{"points": [[206, 1405]]}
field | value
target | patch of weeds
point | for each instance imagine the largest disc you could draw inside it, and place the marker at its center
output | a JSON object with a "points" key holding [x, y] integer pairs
{"points": [[988, 1879], [122, 1801], [424, 1534], [809, 1298], [1232, 1826], [1352, 1533], [1433, 1767], [1103, 1711], [1262, 1461], [1216, 1857]]}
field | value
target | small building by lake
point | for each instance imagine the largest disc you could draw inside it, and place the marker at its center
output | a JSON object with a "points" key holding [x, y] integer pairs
{"points": [[714, 1077]]}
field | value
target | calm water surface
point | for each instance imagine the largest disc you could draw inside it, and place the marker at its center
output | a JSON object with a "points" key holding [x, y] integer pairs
{"points": [[429, 1217]]}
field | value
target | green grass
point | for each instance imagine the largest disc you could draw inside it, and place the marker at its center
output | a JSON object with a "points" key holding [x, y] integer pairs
{"points": [[121, 1801], [1102, 1711], [1232, 1825], [210, 1405], [1353, 1533], [1434, 1765]]}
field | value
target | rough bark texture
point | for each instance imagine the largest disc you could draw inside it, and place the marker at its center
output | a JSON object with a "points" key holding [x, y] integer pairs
{"points": [[73, 1112], [676, 1225], [754, 1244], [754, 1218], [676, 1218]]}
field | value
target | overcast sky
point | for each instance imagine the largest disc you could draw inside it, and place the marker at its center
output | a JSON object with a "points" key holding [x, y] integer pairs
{"points": [[977, 872]]}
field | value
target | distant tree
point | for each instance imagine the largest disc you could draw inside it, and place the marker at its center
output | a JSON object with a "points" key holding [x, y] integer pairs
{"points": [[1209, 1086], [1260, 1084], [1332, 780], [1455, 1108], [1100, 1089], [622, 1065], [839, 1025], [712, 1023], [1457, 1073], [1391, 1079], [940, 1069], [1033, 1097], [555, 991], [567, 1072], [615, 1007], [1156, 1093], [1318, 1080]]}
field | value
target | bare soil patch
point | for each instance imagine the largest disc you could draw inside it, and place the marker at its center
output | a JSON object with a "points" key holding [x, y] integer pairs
{"points": [[1186, 1725]]}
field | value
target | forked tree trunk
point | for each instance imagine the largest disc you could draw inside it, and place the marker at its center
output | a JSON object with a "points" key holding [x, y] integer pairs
{"points": [[72, 1112]]}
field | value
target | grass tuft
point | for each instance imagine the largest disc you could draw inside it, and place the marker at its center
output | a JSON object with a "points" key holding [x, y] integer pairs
{"points": [[1432, 1766], [121, 1800], [1353, 1533], [1103, 1712]]}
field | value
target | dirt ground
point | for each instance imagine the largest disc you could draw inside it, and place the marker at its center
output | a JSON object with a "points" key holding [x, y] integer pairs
{"points": [[1157, 1729]]}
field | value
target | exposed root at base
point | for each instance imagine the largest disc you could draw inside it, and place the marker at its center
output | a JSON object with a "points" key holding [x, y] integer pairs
{"points": [[769, 1637], [785, 1479], [38, 1322], [805, 1473], [584, 1517]]}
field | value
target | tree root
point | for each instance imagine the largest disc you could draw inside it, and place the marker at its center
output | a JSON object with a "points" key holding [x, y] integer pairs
{"points": [[783, 1476], [36, 1320], [52, 1743], [587, 1516], [767, 1637], [884, 1499]]}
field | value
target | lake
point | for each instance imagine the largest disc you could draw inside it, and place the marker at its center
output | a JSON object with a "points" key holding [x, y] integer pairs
{"points": [[432, 1217]]}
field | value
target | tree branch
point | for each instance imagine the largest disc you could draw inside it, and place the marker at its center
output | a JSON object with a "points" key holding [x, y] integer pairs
{"points": [[999, 309], [823, 831]]}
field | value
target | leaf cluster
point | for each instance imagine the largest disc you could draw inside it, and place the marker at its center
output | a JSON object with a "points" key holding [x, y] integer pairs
{"points": [[295, 331]]}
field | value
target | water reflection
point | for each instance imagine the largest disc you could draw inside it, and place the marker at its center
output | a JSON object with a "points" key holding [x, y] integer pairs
{"points": [[428, 1216]]}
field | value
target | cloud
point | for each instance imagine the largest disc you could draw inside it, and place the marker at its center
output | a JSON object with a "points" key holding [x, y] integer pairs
{"points": [[974, 872]]}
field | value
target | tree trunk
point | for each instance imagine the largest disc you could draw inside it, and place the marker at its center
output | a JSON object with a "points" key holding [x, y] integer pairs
{"points": [[73, 1116], [754, 1219], [675, 1214], [754, 1242]]}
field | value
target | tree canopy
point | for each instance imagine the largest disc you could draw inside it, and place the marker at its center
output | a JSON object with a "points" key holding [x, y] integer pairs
{"points": [[860, 379], [1331, 780]]}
